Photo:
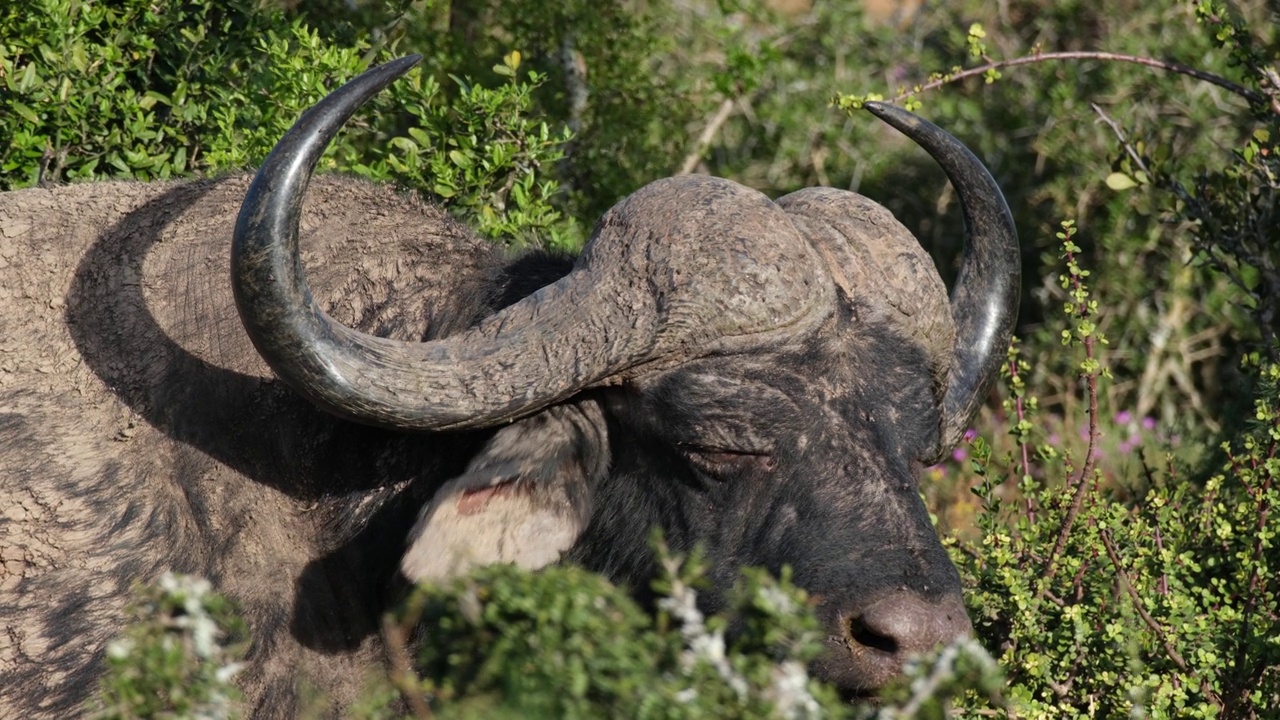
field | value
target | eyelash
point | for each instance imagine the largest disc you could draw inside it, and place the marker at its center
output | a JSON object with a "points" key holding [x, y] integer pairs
{"points": [[715, 462]]}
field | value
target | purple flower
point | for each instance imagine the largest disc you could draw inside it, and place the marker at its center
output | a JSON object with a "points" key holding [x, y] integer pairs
{"points": [[1055, 438], [1123, 417], [970, 434], [1148, 423], [959, 454]]}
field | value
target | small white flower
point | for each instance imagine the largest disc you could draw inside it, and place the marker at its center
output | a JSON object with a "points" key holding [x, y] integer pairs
{"points": [[790, 692], [169, 583], [777, 600], [226, 672], [203, 632], [119, 649]]}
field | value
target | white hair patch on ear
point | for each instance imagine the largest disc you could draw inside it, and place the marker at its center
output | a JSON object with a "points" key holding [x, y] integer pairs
{"points": [[476, 521], [525, 498]]}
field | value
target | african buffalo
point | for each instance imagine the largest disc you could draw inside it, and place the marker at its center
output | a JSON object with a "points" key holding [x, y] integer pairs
{"points": [[765, 378]]}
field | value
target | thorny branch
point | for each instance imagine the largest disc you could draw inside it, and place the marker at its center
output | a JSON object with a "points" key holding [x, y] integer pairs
{"points": [[1252, 96]]}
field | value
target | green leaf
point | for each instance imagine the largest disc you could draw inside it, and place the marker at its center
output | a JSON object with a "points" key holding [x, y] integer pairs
{"points": [[27, 113], [460, 159], [1119, 181], [405, 145], [29, 78]]}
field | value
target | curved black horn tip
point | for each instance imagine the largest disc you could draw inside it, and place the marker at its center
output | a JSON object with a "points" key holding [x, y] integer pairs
{"points": [[267, 278], [893, 115], [318, 125], [367, 84], [399, 66]]}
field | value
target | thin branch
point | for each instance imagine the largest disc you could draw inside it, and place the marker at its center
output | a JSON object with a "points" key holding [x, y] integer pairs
{"points": [[402, 674], [1020, 409], [708, 134], [1085, 481], [1252, 96], [1129, 150], [1169, 649]]}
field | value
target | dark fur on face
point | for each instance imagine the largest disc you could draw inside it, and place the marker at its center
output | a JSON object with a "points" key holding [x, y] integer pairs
{"points": [[804, 458]]}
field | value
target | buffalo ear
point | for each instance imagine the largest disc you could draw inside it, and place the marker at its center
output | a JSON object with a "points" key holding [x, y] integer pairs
{"points": [[525, 498]]}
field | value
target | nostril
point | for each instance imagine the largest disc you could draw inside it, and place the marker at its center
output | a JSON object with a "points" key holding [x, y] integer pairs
{"points": [[863, 634], [870, 641], [904, 623]]}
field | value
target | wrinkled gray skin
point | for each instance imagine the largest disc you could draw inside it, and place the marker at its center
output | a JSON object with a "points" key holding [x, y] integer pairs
{"points": [[764, 378]]}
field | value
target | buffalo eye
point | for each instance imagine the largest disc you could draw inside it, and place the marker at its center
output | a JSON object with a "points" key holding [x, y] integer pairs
{"points": [[722, 463]]}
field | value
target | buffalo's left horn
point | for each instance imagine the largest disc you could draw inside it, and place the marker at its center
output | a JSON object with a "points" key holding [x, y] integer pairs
{"points": [[502, 370], [984, 301], [670, 274]]}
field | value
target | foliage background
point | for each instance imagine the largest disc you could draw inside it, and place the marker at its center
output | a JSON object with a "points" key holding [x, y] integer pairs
{"points": [[528, 119]]}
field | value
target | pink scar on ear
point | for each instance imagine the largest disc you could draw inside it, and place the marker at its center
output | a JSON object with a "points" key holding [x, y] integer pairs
{"points": [[474, 500]]}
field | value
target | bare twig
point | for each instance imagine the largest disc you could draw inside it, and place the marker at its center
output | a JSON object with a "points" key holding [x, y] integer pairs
{"points": [[402, 674], [1244, 92], [574, 67], [708, 134]]}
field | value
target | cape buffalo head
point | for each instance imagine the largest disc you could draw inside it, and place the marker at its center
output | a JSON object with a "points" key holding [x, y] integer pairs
{"points": [[763, 377]]}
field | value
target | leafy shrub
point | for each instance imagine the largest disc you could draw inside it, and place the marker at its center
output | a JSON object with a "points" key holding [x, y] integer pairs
{"points": [[603, 66], [178, 657], [1166, 604], [148, 90], [565, 643]]}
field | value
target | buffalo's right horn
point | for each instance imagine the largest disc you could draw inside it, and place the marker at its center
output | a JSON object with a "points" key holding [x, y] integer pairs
{"points": [[984, 301]]}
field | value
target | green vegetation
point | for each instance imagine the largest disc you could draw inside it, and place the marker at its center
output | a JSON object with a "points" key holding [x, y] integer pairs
{"points": [[152, 90], [1155, 597], [564, 643], [178, 658], [1113, 518]]}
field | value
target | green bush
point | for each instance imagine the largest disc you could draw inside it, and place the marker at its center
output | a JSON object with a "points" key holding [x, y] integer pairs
{"points": [[1159, 599], [503, 642], [564, 643], [179, 656], [603, 65], [148, 90]]}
